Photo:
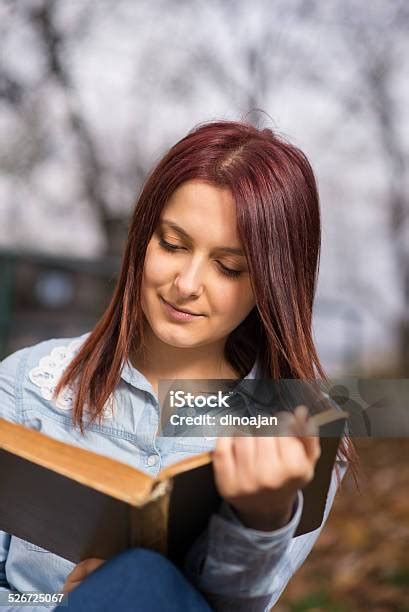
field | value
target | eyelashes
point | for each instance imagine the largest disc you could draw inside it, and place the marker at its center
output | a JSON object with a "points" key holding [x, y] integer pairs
{"points": [[172, 248]]}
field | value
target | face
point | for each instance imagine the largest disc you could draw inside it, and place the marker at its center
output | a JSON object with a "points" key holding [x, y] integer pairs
{"points": [[194, 261]]}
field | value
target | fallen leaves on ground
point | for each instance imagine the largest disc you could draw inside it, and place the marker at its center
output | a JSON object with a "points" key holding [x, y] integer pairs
{"points": [[361, 559]]}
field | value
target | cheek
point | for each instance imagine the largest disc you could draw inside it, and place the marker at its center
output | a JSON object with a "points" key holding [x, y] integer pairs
{"points": [[156, 268], [235, 300]]}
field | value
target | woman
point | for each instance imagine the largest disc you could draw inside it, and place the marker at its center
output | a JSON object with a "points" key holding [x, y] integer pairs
{"points": [[227, 229]]}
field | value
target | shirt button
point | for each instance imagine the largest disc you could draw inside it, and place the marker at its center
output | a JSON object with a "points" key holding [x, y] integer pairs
{"points": [[152, 460], [34, 424]]}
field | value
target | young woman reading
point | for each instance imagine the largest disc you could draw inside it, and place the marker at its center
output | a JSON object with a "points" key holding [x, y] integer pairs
{"points": [[217, 281]]}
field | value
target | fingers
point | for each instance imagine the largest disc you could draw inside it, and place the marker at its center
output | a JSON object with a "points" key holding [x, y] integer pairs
{"points": [[312, 447], [244, 452], [70, 586], [80, 572], [299, 424], [235, 464], [245, 464], [268, 462], [224, 464], [85, 567], [309, 433]]}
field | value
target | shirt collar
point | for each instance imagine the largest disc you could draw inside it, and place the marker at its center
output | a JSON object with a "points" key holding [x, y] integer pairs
{"points": [[134, 377]]}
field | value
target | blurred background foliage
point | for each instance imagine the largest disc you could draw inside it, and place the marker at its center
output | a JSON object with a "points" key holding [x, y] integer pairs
{"points": [[93, 93]]}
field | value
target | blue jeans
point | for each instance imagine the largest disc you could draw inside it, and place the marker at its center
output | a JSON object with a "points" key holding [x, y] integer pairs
{"points": [[137, 580]]}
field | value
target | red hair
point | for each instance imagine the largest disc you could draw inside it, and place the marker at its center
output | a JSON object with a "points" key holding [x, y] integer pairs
{"points": [[278, 222]]}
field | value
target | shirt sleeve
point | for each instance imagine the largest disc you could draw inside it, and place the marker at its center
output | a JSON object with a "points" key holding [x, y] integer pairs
{"points": [[10, 390], [244, 570], [9, 410], [8, 376]]}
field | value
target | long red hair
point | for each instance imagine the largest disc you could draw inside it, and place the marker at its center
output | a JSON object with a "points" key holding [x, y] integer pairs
{"points": [[278, 221]]}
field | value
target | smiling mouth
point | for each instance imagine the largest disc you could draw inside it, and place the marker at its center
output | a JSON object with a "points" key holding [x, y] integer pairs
{"points": [[188, 312]]}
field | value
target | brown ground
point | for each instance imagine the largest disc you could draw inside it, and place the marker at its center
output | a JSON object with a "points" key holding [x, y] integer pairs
{"points": [[361, 560]]}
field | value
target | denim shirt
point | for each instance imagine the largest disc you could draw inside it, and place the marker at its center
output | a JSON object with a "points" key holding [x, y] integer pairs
{"points": [[235, 567]]}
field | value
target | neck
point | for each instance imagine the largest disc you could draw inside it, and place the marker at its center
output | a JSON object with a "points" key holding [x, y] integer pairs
{"points": [[158, 360]]}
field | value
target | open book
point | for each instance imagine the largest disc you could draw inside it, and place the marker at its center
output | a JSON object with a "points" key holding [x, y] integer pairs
{"points": [[79, 504]]}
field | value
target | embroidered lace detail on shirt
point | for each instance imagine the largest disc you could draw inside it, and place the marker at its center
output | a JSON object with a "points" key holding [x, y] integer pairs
{"points": [[49, 371]]}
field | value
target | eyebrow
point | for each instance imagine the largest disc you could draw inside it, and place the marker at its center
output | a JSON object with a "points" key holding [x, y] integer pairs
{"points": [[184, 234]]}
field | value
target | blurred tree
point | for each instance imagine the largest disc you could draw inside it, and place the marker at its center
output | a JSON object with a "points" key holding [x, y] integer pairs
{"points": [[29, 99], [256, 56], [268, 56], [101, 88], [53, 40], [376, 37]]}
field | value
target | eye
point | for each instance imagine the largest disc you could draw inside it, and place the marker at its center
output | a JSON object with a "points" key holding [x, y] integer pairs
{"points": [[229, 271], [168, 246], [172, 248]]}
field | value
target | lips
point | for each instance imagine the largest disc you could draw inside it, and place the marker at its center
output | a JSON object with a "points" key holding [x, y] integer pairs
{"points": [[197, 314]]}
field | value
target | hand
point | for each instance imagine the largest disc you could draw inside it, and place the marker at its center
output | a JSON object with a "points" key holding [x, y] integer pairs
{"points": [[81, 571], [260, 476]]}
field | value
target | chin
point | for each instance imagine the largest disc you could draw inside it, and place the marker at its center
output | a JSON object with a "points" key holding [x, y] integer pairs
{"points": [[181, 345], [177, 339]]}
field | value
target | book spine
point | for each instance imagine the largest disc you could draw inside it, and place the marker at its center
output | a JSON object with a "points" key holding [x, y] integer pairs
{"points": [[149, 523]]}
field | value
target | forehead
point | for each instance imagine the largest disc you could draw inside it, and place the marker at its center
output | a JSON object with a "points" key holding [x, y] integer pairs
{"points": [[204, 210]]}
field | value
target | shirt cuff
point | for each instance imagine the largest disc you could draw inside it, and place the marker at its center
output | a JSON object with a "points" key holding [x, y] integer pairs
{"points": [[264, 537], [239, 560]]}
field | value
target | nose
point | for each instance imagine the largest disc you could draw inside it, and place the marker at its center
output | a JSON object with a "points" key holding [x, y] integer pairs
{"points": [[189, 280]]}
